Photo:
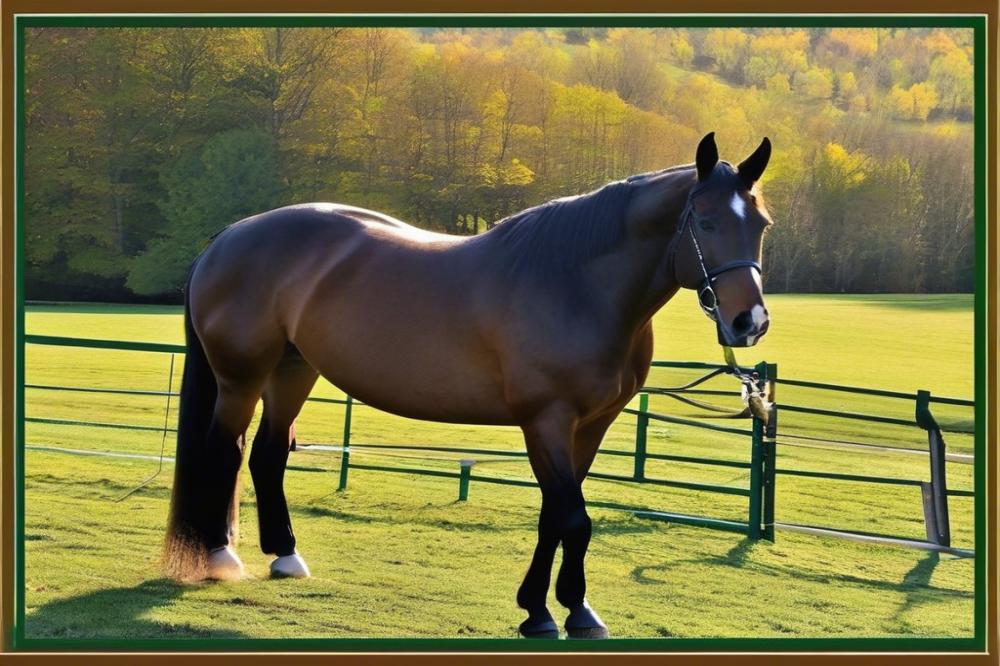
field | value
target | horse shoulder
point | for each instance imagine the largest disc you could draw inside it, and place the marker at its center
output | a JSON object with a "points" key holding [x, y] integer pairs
{"points": [[595, 367]]}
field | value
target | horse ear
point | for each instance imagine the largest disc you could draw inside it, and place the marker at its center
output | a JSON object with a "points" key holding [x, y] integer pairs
{"points": [[707, 156], [751, 168]]}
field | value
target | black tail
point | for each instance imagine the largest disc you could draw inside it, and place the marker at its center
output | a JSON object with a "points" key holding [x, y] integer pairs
{"points": [[185, 551]]}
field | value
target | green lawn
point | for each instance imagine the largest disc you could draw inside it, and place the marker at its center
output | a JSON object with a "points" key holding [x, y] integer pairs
{"points": [[396, 555]]}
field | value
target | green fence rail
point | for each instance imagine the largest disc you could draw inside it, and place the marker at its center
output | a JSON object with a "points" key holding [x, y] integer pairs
{"points": [[762, 436]]}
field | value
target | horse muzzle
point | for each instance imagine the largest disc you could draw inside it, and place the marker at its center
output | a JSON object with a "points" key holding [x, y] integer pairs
{"points": [[746, 329]]}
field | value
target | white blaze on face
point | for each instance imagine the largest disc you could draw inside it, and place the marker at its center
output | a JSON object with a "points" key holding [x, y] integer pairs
{"points": [[739, 206]]}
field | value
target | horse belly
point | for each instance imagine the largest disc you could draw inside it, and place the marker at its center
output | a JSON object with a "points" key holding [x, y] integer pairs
{"points": [[411, 382], [398, 342]]}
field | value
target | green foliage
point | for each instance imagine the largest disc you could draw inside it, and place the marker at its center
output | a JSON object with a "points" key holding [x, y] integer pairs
{"points": [[234, 176], [454, 129]]}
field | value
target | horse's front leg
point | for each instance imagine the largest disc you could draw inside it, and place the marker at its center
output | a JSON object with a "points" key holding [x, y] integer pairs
{"points": [[563, 518], [571, 584]]}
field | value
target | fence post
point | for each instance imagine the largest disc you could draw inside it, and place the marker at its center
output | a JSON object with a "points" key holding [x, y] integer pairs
{"points": [[770, 452], [345, 456], [641, 427], [463, 478], [756, 467], [935, 493]]}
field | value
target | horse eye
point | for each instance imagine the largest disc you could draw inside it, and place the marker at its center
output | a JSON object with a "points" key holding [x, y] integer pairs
{"points": [[706, 225]]}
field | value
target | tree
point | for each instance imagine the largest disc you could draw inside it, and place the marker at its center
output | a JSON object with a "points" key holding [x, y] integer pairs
{"points": [[859, 45], [626, 63], [92, 150], [453, 129], [914, 103], [839, 176], [233, 176], [728, 48], [815, 83], [951, 77], [677, 46], [847, 89], [776, 51]]}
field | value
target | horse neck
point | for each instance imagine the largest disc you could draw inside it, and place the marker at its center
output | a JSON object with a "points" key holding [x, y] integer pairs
{"points": [[644, 279]]}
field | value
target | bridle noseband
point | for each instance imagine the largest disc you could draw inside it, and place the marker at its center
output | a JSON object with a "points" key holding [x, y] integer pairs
{"points": [[707, 298]]}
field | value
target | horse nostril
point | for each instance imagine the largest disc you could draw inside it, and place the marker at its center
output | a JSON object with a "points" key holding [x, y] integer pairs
{"points": [[743, 323], [763, 327]]}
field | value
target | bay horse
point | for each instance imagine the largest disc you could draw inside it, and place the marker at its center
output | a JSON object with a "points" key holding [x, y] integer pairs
{"points": [[549, 330]]}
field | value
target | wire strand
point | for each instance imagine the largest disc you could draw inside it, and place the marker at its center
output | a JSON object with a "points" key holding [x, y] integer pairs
{"points": [[163, 439]]}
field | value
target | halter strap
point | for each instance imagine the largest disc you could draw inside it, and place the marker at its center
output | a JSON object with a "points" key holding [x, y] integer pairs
{"points": [[709, 275], [739, 263]]}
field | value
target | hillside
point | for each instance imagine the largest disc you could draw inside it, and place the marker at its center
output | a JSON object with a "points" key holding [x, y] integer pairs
{"points": [[142, 143]]}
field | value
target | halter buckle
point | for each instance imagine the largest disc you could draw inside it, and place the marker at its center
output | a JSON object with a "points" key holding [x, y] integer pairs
{"points": [[708, 301]]}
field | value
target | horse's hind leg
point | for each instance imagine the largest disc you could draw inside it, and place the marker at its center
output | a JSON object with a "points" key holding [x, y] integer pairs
{"points": [[224, 443], [285, 392]]}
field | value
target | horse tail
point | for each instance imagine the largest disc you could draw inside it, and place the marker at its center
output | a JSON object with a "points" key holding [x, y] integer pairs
{"points": [[185, 552]]}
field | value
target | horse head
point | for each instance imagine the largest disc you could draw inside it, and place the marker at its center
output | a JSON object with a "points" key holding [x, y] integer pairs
{"points": [[718, 243]]}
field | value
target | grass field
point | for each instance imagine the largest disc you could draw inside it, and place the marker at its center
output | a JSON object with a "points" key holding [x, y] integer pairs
{"points": [[396, 555]]}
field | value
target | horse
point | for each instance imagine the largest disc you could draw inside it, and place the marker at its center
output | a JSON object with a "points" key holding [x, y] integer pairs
{"points": [[550, 331]]}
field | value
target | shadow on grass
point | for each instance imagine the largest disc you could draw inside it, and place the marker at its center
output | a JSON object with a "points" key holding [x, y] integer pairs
{"points": [[402, 519], [916, 585], [115, 613], [97, 489], [736, 557]]}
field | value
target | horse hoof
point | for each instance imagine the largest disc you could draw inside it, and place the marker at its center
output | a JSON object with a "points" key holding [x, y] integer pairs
{"points": [[290, 566], [224, 564], [584, 623], [540, 625]]}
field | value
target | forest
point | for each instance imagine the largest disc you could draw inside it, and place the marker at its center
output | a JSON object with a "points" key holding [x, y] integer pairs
{"points": [[141, 143]]}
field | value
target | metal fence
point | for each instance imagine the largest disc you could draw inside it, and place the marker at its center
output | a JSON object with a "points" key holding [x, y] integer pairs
{"points": [[762, 438], [934, 493]]}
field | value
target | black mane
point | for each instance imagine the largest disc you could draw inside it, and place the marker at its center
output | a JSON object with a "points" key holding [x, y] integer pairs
{"points": [[641, 177], [557, 237]]}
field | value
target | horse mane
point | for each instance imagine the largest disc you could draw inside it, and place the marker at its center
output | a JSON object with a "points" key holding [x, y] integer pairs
{"points": [[555, 238], [641, 177]]}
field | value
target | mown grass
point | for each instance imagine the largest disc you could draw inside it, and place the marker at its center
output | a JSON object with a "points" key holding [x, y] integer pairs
{"points": [[397, 555]]}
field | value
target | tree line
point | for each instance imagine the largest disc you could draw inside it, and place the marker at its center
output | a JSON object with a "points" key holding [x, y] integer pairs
{"points": [[141, 143]]}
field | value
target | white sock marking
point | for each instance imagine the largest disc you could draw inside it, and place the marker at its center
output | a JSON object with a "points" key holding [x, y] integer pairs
{"points": [[224, 564], [291, 566]]}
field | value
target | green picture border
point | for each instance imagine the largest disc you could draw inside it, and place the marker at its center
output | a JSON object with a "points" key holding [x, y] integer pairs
{"points": [[912, 644]]}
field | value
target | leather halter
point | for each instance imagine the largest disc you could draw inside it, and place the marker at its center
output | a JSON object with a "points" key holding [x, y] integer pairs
{"points": [[707, 298]]}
